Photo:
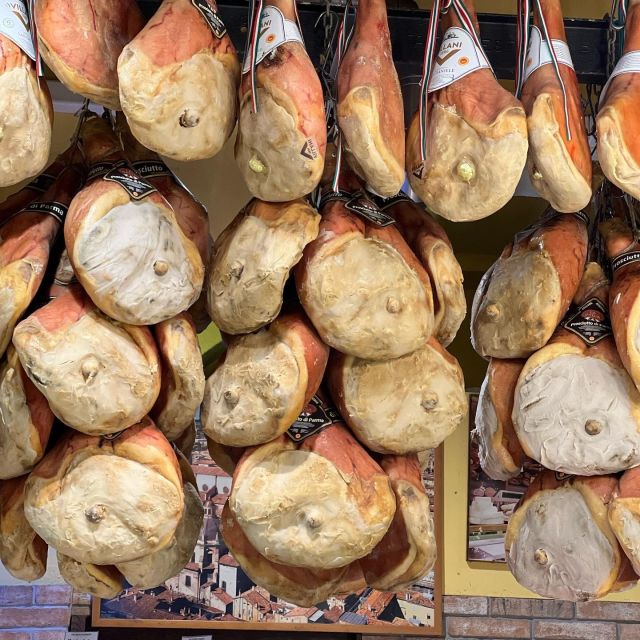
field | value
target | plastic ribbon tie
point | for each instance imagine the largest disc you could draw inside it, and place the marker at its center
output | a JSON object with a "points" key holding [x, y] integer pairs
{"points": [[34, 36], [255, 18]]}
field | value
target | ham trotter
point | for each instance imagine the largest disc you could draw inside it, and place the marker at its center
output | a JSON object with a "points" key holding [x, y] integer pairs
{"points": [[370, 110], [98, 375], [133, 281], [101, 581], [408, 550], [576, 410], [618, 116], [81, 40], [263, 382], [559, 543], [179, 79], [326, 523], [501, 454], [527, 291], [251, 261], [26, 111], [559, 161], [476, 144], [405, 405], [280, 147]]}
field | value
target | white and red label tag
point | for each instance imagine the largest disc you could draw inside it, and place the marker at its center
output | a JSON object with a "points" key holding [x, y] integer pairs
{"points": [[539, 52], [629, 63], [14, 24], [458, 57], [275, 30]]}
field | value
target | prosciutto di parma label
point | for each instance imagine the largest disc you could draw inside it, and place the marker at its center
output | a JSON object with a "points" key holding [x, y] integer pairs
{"points": [[315, 417], [151, 168], [55, 209], [360, 203], [590, 321], [211, 16], [130, 181], [385, 203], [539, 53], [625, 258], [14, 24], [99, 170]]}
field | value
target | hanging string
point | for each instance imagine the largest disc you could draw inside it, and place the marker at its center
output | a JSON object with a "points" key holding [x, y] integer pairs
{"points": [[34, 37], [255, 18], [618, 16], [523, 28]]}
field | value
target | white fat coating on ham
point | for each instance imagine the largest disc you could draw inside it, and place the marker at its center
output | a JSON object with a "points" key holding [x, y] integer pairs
{"points": [[295, 508], [89, 578], [25, 126], [106, 510], [580, 556], [625, 521], [121, 385], [553, 403], [135, 258], [246, 398]]}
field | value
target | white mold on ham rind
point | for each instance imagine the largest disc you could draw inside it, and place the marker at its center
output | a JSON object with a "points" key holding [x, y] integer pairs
{"points": [[624, 518], [100, 581]]}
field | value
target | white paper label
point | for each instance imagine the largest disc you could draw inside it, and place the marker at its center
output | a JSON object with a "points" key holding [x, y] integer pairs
{"points": [[458, 57], [629, 63], [14, 24], [275, 30], [81, 635], [539, 52]]}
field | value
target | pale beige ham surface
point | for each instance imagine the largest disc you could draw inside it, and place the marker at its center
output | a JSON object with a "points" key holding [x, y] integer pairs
{"points": [[80, 40], [22, 551], [320, 504], [408, 550], [476, 144], [251, 261], [576, 410], [527, 291], [98, 375], [618, 119], [263, 382], [500, 452], [430, 243], [105, 501], [280, 149], [182, 381], [624, 515], [370, 111], [559, 543], [26, 116], [178, 83], [400, 406], [559, 168], [101, 581], [131, 281], [304, 587]]}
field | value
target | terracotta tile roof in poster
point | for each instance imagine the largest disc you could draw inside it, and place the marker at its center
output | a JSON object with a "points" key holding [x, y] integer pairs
{"points": [[228, 560]]}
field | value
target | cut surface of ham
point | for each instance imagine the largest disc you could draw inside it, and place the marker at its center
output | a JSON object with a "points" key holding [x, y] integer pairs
{"points": [[178, 81], [370, 111], [101, 581]]}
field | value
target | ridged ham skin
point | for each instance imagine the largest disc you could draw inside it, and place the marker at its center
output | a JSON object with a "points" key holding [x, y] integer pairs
{"points": [[178, 83], [280, 149], [101, 581], [80, 40], [370, 110]]}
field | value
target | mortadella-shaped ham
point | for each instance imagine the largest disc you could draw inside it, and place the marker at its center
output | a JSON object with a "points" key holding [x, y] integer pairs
{"points": [[81, 40], [124, 242], [280, 148], [370, 110], [527, 291], [575, 409], [476, 142], [559, 162], [179, 79]]}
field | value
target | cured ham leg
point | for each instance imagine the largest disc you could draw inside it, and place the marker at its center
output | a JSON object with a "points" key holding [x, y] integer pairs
{"points": [[178, 81], [559, 543], [370, 111], [476, 144], [576, 410], [26, 116], [527, 291], [560, 169], [405, 405], [618, 119], [264, 382], [251, 262], [101, 581], [280, 149], [131, 281], [81, 40], [501, 454]]}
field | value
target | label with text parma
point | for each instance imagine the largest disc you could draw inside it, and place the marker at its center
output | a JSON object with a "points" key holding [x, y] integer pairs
{"points": [[54, 209], [99, 170], [590, 321], [317, 415], [368, 209], [151, 168], [211, 16], [386, 203], [625, 258], [130, 181]]}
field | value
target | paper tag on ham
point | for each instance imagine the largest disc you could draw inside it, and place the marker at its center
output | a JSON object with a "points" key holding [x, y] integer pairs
{"points": [[317, 415], [211, 16], [458, 57], [130, 181], [629, 63], [539, 52], [590, 321], [151, 168], [624, 259], [14, 23], [275, 30]]}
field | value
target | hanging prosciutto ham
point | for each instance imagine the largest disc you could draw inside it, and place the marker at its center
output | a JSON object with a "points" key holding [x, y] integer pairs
{"points": [[101, 581]]}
